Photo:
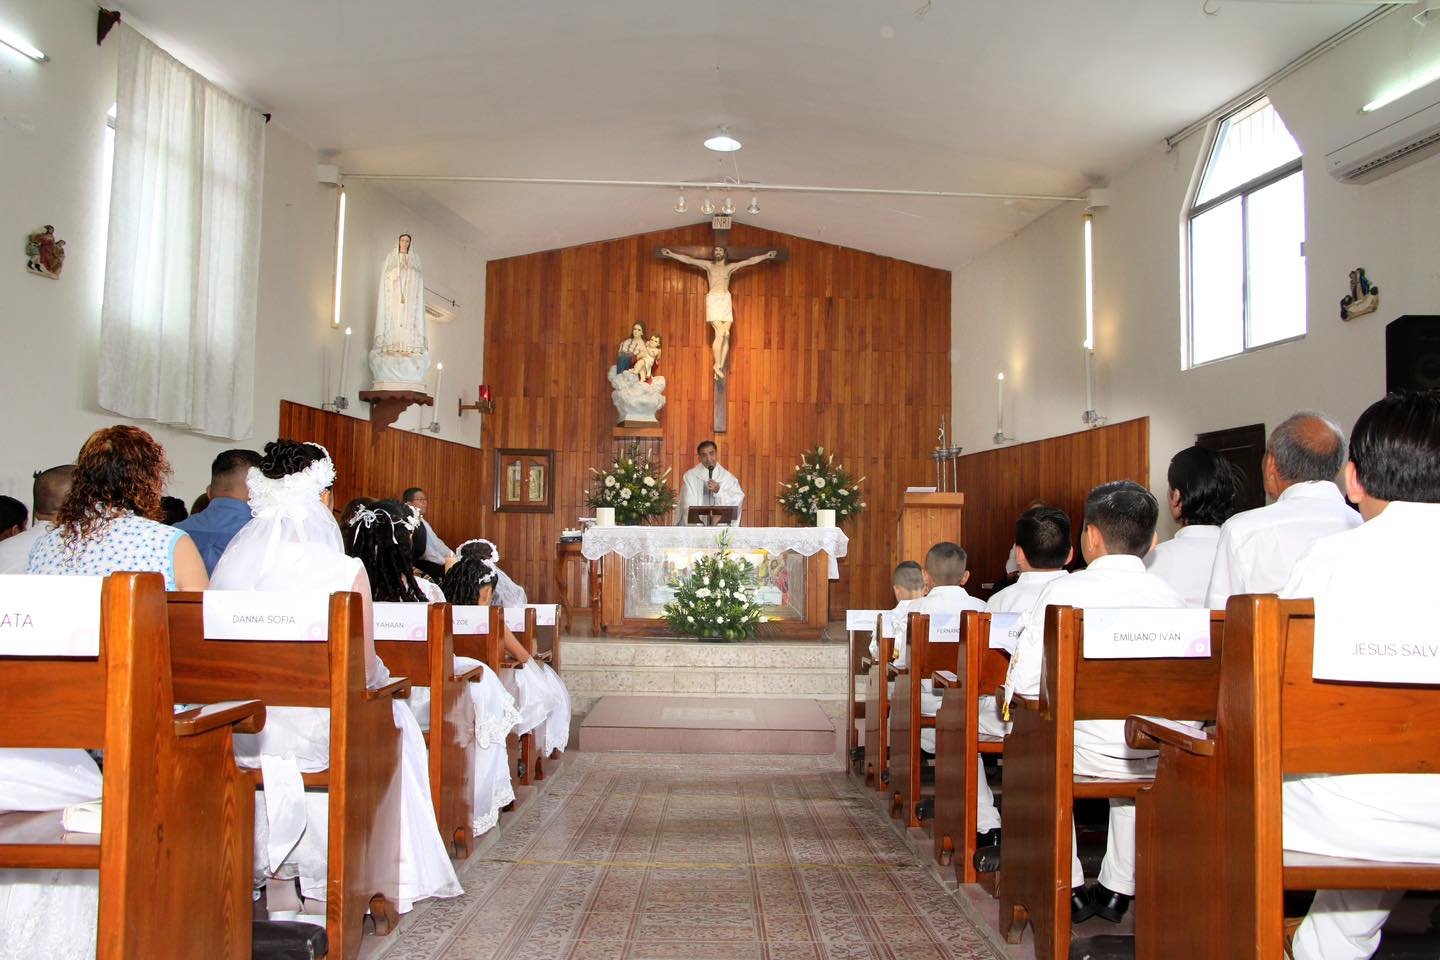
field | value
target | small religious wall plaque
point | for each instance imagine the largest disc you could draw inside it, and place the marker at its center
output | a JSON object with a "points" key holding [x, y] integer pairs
{"points": [[524, 481]]}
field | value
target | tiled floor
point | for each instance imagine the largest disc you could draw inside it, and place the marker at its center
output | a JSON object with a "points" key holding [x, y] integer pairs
{"points": [[708, 725], [648, 857]]}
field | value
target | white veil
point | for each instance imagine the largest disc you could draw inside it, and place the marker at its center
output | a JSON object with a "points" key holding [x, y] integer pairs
{"points": [[292, 541]]}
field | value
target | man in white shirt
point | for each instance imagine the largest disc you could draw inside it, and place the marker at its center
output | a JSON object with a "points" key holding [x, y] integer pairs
{"points": [[1202, 497], [908, 585], [432, 561], [1042, 549], [1258, 548], [1387, 564], [50, 490], [707, 484], [1119, 530]]}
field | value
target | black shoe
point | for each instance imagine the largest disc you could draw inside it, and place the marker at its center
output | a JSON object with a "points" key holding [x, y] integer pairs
{"points": [[987, 858], [1110, 905], [1082, 906]]}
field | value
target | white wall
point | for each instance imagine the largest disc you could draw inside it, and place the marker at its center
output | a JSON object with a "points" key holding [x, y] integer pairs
{"points": [[1020, 307], [53, 165]]}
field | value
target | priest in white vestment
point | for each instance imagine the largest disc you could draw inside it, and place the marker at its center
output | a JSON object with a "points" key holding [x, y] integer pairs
{"points": [[1381, 575], [707, 484]]}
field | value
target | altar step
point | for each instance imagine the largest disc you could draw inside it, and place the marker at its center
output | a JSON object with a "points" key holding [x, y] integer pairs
{"points": [[598, 667], [745, 725]]}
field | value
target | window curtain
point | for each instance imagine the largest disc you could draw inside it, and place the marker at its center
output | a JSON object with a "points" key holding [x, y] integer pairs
{"points": [[177, 329]]}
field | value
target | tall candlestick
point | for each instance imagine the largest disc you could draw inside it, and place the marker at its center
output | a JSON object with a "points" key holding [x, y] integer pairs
{"points": [[1089, 380], [344, 363], [1000, 402], [439, 369]]}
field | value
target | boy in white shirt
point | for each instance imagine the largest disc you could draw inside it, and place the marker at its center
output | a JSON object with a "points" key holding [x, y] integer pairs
{"points": [[945, 577], [1119, 530], [1042, 549], [908, 585]]}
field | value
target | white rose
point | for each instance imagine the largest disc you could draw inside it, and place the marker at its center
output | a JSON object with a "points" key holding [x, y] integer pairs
{"points": [[740, 595], [624, 494], [609, 481], [703, 592], [719, 619], [820, 483], [803, 490], [649, 481]]}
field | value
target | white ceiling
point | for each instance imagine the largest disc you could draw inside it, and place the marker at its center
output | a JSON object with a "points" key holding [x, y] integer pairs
{"points": [[1012, 96]]}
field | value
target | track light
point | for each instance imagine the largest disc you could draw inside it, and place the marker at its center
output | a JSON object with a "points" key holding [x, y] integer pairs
{"points": [[728, 207], [754, 207], [707, 206], [680, 203]]}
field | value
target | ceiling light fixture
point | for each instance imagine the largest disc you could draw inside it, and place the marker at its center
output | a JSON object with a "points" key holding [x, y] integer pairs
{"points": [[722, 142], [728, 207], [754, 207], [21, 45], [707, 206], [680, 203], [1390, 96]]}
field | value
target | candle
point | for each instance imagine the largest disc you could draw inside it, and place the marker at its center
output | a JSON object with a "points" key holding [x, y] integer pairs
{"points": [[485, 392], [1089, 379], [439, 370], [604, 516], [344, 362], [1000, 402], [824, 518]]}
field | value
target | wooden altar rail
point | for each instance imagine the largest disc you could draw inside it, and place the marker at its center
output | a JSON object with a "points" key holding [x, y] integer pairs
{"points": [[1060, 470]]}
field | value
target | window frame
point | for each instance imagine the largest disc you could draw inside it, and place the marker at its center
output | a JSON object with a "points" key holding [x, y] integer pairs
{"points": [[1193, 210]]}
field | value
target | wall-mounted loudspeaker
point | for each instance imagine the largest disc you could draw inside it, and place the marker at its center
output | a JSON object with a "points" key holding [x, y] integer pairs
{"points": [[1412, 353]]}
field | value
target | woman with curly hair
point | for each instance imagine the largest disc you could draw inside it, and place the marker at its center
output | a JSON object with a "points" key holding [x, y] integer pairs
{"points": [[539, 691], [293, 543], [111, 518], [382, 537]]}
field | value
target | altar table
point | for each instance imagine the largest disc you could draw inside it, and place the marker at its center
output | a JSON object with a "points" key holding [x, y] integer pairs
{"points": [[793, 567]]}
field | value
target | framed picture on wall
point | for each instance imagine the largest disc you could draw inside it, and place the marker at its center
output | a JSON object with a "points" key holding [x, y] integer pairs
{"points": [[524, 481]]}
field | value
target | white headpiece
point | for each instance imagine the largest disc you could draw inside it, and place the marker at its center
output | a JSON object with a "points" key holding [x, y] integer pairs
{"points": [[367, 517]]}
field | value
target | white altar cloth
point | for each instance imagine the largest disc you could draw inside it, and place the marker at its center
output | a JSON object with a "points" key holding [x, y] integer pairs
{"points": [[630, 542]]}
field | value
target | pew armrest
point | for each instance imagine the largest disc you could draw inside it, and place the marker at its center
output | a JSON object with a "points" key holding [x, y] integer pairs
{"points": [[543, 656], [471, 676], [892, 671], [1151, 733], [941, 679], [866, 662], [397, 687], [248, 716]]}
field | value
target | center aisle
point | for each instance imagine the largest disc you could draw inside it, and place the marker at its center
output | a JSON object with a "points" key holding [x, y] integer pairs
{"points": [[709, 857]]}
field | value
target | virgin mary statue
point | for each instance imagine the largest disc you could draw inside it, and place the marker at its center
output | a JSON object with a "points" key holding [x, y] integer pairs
{"points": [[400, 354]]}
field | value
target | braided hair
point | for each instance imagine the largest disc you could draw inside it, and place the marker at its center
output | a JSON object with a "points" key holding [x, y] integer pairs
{"points": [[380, 539], [285, 457], [476, 567]]}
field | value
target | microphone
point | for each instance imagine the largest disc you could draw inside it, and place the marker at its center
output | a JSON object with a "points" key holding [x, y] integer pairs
{"points": [[711, 472]]}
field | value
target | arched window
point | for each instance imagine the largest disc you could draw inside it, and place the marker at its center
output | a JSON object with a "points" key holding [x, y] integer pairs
{"points": [[1246, 239]]}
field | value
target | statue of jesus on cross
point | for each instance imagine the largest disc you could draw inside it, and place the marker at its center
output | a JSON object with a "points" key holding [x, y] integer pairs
{"points": [[718, 311]]}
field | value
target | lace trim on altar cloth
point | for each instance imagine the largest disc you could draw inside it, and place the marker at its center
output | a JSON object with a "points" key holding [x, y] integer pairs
{"points": [[631, 542]]}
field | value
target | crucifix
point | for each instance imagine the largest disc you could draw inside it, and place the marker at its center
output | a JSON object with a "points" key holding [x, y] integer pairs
{"points": [[719, 262]]}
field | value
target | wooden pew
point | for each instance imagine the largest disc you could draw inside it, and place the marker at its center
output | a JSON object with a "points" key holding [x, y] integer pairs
{"points": [[452, 721], [1212, 821], [526, 766], [177, 815], [859, 641], [877, 709], [926, 658], [363, 780], [981, 670], [1040, 785]]}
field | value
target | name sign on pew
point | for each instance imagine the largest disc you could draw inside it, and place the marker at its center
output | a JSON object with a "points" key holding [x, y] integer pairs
{"points": [[472, 619], [49, 616], [402, 621], [1366, 643], [263, 615], [863, 621], [1124, 633], [944, 628], [1005, 631]]}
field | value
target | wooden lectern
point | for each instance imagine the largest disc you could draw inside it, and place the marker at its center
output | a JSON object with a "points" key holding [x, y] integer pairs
{"points": [[925, 520], [713, 516]]}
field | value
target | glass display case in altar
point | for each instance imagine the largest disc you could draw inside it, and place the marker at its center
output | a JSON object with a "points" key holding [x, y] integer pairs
{"points": [[793, 590]]}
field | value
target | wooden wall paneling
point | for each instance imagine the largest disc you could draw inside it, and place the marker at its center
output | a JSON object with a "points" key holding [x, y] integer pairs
{"points": [[1061, 470]]}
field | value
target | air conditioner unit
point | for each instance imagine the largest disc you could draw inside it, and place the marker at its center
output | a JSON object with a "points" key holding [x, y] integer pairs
{"points": [[1389, 139], [438, 309]]}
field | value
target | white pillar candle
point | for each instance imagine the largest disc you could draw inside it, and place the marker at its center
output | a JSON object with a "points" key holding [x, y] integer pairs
{"points": [[1000, 402], [344, 363], [824, 518], [604, 516], [439, 370], [1089, 379]]}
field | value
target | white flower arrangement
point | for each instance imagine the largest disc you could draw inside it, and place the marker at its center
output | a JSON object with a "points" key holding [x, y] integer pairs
{"points": [[635, 487], [716, 599], [819, 485]]}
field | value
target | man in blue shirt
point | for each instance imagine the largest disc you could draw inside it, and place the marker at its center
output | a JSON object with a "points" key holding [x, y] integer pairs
{"points": [[229, 507]]}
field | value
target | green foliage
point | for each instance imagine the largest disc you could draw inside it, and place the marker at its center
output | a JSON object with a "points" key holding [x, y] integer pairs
{"points": [[635, 487], [820, 485], [717, 598]]}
